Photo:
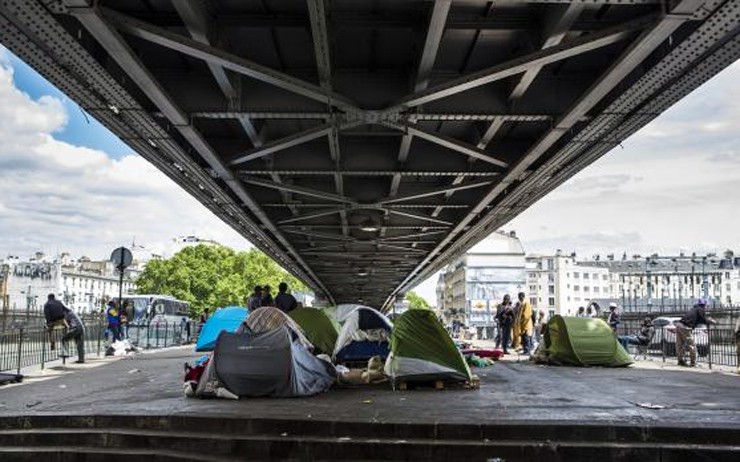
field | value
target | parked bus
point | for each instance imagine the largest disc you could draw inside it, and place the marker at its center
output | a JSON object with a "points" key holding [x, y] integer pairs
{"points": [[146, 309]]}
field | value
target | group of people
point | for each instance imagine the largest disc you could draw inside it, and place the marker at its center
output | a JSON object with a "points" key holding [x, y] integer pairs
{"points": [[58, 315], [518, 325], [261, 296], [684, 328]]}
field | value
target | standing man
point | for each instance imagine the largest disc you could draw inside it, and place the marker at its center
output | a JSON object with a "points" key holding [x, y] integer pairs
{"points": [[267, 299], [54, 315], [614, 319], [525, 323], [685, 329], [500, 310], [75, 331], [255, 301], [114, 320], [285, 301]]}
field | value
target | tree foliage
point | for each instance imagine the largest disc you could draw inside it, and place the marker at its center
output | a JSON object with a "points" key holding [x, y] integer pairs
{"points": [[416, 301], [209, 276]]}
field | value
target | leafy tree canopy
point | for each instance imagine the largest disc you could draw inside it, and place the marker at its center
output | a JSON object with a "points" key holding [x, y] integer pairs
{"points": [[210, 277], [416, 301]]}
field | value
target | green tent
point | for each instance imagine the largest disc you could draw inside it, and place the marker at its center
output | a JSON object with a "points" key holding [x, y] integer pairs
{"points": [[581, 342], [421, 349], [318, 328]]}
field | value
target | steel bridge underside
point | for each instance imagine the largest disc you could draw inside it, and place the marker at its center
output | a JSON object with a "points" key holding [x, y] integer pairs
{"points": [[366, 144]]}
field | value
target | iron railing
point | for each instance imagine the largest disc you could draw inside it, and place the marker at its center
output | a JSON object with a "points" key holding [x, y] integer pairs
{"points": [[23, 346], [715, 345]]}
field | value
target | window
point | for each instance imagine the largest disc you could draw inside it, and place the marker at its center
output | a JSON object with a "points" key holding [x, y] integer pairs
{"points": [[596, 290], [551, 313], [576, 288], [586, 288], [568, 298], [550, 277], [533, 301], [605, 277], [567, 275], [578, 299], [585, 275], [550, 264], [576, 275], [551, 290], [551, 301]]}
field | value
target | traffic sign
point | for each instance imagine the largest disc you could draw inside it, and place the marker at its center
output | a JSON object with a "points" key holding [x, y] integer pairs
{"points": [[122, 258]]}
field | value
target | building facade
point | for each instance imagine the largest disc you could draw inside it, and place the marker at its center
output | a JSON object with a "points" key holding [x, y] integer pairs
{"points": [[471, 287], [83, 285], [558, 284]]}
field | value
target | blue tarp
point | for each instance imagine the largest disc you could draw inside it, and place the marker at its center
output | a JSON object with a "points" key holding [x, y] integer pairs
{"points": [[224, 319], [362, 351]]}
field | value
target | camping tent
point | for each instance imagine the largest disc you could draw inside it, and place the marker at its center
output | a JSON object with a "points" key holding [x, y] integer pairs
{"points": [[224, 319], [581, 342], [272, 363], [317, 327], [269, 318], [421, 349], [365, 334], [343, 311]]}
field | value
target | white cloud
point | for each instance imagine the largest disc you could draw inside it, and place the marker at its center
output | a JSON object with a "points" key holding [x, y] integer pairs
{"points": [[672, 186], [56, 196]]}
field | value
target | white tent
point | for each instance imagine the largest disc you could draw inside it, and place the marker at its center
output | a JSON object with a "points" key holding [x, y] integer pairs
{"points": [[365, 333]]}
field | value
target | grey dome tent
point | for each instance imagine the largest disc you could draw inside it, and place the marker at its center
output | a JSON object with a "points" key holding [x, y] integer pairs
{"points": [[272, 363]]}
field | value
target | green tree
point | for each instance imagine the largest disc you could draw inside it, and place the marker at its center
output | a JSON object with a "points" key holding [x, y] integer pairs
{"points": [[416, 301], [209, 277]]}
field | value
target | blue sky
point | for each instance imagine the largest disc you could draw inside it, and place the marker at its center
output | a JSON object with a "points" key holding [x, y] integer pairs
{"points": [[80, 129], [70, 185]]}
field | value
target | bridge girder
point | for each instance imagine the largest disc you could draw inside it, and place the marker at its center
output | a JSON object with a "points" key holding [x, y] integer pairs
{"points": [[366, 148]]}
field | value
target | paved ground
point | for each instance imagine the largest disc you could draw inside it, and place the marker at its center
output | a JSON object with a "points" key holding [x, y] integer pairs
{"points": [[150, 384]]}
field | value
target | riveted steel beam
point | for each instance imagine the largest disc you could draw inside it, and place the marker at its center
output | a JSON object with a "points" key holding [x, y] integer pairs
{"points": [[519, 65], [119, 50], [224, 59]]}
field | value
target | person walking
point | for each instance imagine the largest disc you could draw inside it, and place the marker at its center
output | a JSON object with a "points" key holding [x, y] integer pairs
{"points": [[255, 301], [285, 301], [76, 332], [685, 330], [525, 326], [614, 318], [581, 313], [114, 320], [54, 315]]}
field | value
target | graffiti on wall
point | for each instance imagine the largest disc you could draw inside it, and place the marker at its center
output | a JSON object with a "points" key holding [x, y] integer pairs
{"points": [[34, 270]]}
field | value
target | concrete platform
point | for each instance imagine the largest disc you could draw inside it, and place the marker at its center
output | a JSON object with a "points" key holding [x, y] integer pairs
{"points": [[510, 391], [588, 407]]}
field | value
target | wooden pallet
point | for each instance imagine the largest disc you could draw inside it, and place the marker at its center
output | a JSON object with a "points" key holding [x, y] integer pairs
{"points": [[472, 384]]}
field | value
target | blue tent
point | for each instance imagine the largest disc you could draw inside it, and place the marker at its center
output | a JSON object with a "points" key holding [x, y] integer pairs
{"points": [[224, 319]]}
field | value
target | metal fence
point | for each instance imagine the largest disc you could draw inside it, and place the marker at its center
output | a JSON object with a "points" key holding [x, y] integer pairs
{"points": [[715, 345], [29, 346]]}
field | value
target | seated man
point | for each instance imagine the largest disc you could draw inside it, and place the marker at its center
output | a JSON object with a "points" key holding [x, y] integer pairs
{"points": [[647, 330], [54, 315]]}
